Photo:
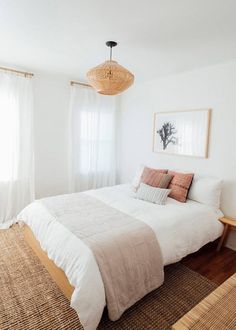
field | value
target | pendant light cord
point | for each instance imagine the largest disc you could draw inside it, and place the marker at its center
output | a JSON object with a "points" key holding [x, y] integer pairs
{"points": [[110, 53], [111, 44]]}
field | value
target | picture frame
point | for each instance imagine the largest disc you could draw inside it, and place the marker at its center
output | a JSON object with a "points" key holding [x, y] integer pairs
{"points": [[183, 132]]}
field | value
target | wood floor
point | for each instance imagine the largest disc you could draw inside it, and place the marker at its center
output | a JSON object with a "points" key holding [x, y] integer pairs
{"points": [[216, 266]]}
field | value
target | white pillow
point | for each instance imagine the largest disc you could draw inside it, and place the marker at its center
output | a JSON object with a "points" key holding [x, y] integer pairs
{"points": [[137, 177], [206, 190], [152, 194]]}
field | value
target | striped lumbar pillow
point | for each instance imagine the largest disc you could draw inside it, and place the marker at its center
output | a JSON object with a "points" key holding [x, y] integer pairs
{"points": [[152, 194]]}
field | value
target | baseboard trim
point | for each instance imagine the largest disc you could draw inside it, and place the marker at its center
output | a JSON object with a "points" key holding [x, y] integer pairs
{"points": [[231, 246]]}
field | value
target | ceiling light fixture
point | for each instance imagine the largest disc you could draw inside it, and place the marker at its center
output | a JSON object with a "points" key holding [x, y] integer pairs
{"points": [[110, 78]]}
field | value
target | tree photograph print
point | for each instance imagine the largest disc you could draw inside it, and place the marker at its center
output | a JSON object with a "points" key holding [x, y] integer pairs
{"points": [[182, 132]]}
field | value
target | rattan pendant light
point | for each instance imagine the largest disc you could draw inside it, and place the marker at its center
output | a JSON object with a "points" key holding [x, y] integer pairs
{"points": [[110, 78]]}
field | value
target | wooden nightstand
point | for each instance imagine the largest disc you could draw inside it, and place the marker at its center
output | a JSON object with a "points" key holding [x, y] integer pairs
{"points": [[229, 223]]}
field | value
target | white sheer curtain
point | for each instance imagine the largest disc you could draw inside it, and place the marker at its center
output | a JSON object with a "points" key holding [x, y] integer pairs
{"points": [[16, 145], [92, 137]]}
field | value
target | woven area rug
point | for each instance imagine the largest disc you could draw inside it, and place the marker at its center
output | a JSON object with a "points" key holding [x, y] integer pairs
{"points": [[30, 300]]}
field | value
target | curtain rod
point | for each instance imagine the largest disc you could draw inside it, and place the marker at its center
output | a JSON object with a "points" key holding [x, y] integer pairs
{"points": [[26, 74], [80, 83]]}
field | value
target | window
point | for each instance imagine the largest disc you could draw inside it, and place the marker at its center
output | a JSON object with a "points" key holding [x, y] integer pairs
{"points": [[9, 123], [16, 145], [93, 163], [96, 141]]}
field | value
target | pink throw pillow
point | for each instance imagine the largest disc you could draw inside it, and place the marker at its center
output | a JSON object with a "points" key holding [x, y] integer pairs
{"points": [[180, 185]]}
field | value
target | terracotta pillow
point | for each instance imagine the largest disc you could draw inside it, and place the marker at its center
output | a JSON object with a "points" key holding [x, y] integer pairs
{"points": [[180, 185], [155, 177]]}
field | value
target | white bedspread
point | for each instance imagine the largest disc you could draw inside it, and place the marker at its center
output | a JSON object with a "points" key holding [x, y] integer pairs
{"points": [[181, 228]]}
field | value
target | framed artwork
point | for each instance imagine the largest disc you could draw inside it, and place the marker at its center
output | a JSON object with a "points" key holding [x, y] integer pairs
{"points": [[182, 132]]}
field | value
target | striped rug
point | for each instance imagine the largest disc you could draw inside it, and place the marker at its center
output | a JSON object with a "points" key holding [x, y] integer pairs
{"points": [[30, 300]]}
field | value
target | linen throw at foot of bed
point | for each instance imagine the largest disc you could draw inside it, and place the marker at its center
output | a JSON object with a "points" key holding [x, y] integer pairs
{"points": [[126, 249]]}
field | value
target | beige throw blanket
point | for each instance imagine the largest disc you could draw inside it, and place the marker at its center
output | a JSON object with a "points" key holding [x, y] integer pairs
{"points": [[126, 249]]}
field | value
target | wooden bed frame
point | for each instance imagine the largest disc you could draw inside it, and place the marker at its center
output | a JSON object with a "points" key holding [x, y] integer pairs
{"points": [[56, 273]]}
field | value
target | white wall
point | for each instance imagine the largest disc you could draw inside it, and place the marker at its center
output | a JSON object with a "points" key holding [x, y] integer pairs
{"points": [[51, 108], [213, 87]]}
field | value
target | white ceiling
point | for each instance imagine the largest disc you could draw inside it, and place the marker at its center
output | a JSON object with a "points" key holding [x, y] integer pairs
{"points": [[155, 37]]}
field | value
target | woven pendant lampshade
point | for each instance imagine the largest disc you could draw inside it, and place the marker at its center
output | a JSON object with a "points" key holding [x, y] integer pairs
{"points": [[110, 78]]}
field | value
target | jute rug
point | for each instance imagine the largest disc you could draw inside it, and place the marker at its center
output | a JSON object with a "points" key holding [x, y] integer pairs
{"points": [[30, 300]]}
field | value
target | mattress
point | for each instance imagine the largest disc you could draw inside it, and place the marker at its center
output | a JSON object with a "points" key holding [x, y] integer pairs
{"points": [[181, 229]]}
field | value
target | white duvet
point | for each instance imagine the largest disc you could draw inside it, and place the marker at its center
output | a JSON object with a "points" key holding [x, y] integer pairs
{"points": [[181, 229]]}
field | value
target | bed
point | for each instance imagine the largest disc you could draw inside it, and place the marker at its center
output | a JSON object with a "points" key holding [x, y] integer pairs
{"points": [[180, 228]]}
